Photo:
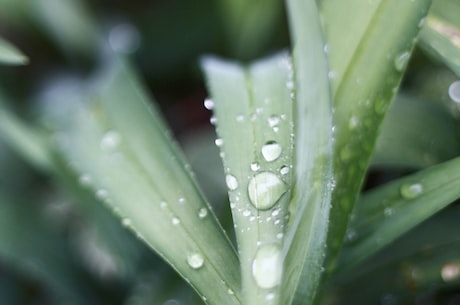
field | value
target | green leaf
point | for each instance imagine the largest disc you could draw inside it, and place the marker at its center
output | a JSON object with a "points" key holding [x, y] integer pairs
{"points": [[425, 259], [387, 212], [366, 66], [310, 202], [9, 54], [440, 36], [253, 110], [29, 141], [121, 150], [406, 142]]}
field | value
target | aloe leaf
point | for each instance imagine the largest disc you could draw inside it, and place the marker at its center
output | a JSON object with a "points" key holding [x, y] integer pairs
{"points": [[9, 54], [442, 38], [406, 142], [387, 212], [380, 34], [120, 149], [253, 110], [310, 202]]}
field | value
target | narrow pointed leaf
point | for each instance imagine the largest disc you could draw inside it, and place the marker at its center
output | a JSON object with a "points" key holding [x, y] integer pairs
{"points": [[366, 66], [310, 204], [384, 214], [406, 142], [253, 109], [442, 38], [10, 55], [120, 148]]}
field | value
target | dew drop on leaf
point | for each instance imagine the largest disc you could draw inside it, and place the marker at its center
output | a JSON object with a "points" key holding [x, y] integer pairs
{"points": [[411, 191], [271, 151], [454, 91], [255, 166], [401, 61], [202, 213], [284, 170], [110, 141], [265, 189], [208, 104], [231, 182], [195, 260], [219, 142], [175, 221], [450, 272], [267, 266]]}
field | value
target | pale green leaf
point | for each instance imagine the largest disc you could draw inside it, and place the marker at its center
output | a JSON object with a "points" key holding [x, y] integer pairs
{"points": [[10, 55], [313, 157], [120, 149], [253, 110], [387, 212], [366, 65]]}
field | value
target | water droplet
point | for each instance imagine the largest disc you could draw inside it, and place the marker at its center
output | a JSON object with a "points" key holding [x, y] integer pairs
{"points": [[276, 212], [219, 142], [240, 118], [110, 141], [213, 120], [331, 75], [450, 272], [202, 213], [454, 91], [265, 189], [326, 49], [231, 182], [351, 235], [388, 211], [273, 121], [255, 166], [284, 170], [102, 194], [246, 213], [163, 205], [175, 221], [208, 104], [267, 266], [181, 200], [279, 235], [353, 122], [271, 151], [126, 222], [401, 61], [85, 179], [422, 22], [124, 38], [195, 260], [410, 191]]}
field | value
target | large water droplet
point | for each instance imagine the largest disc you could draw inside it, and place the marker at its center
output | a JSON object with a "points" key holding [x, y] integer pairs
{"points": [[267, 266], [231, 182], [410, 191], [265, 189], [195, 260], [454, 91], [271, 151], [110, 141], [401, 61]]}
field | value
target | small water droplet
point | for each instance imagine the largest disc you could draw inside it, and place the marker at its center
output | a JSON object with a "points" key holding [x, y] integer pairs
{"points": [[175, 221], [208, 104], [202, 213], [230, 291], [213, 120], [271, 151], [331, 75], [246, 213], [326, 49], [110, 141], [240, 118], [410, 191], [265, 189], [219, 142], [231, 182], [279, 235], [195, 260], [267, 266], [85, 180], [284, 170], [454, 91], [181, 200], [450, 272], [126, 222], [273, 121], [422, 22], [124, 38], [102, 194], [353, 122], [388, 211], [276, 212], [401, 61], [255, 166], [351, 235]]}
